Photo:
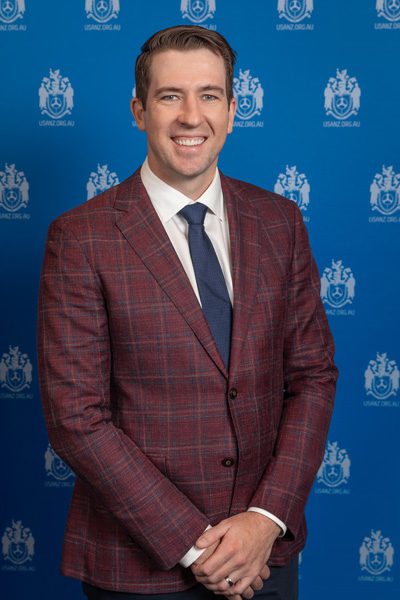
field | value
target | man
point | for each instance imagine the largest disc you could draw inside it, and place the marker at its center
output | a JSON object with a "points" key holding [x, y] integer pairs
{"points": [[185, 358]]}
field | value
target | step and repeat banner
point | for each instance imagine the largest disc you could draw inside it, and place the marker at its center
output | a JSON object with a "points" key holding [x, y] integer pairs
{"points": [[317, 86]]}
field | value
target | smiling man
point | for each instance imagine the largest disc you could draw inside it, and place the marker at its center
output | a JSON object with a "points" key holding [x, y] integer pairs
{"points": [[186, 362]]}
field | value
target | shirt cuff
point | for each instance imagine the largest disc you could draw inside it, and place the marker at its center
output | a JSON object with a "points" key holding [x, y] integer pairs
{"points": [[270, 516], [192, 554]]}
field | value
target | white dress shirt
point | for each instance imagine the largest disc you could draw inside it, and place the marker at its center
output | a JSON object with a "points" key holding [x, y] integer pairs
{"points": [[167, 202]]}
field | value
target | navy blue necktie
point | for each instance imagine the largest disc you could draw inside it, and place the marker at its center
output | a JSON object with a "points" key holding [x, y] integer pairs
{"points": [[210, 280]]}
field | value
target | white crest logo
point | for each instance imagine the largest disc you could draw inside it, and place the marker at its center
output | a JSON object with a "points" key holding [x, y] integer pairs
{"points": [[294, 185], [100, 180], [337, 285], [15, 370], [14, 189], [376, 554], [335, 468], [382, 377], [197, 11], [249, 95], [11, 10], [55, 466], [295, 10], [385, 191], [102, 10], [389, 9], [342, 95], [18, 543], [56, 95]]}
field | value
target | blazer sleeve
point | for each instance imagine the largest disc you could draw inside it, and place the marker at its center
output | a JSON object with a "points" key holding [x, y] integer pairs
{"points": [[309, 388], [74, 366]]}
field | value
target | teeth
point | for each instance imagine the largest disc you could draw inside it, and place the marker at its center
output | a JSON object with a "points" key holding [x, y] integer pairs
{"points": [[189, 141]]}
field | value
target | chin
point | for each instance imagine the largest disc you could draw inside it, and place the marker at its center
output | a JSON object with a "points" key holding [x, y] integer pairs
{"points": [[194, 170]]}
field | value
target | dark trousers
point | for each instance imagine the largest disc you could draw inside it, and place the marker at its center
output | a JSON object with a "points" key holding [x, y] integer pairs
{"points": [[282, 585]]}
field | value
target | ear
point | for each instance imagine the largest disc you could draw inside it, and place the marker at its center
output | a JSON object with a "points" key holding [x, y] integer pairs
{"points": [[138, 113], [232, 112]]}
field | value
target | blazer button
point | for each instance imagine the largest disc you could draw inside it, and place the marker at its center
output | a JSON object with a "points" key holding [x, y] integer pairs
{"points": [[233, 393], [228, 462]]}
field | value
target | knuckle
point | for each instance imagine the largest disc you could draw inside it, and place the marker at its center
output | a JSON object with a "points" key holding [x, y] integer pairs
{"points": [[206, 572]]}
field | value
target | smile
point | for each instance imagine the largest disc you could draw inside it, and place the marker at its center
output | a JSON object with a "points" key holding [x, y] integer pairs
{"points": [[187, 141]]}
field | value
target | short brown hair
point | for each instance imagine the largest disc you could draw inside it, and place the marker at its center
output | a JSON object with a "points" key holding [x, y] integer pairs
{"points": [[182, 37]]}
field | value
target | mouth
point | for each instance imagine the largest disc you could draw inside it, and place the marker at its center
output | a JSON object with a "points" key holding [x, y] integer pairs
{"points": [[188, 141]]}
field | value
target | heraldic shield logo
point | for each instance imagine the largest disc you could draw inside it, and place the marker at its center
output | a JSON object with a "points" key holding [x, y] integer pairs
{"points": [[388, 9], [198, 11], [382, 377], [15, 370], [102, 11], [335, 468], [55, 466], [100, 181], [385, 191], [295, 10], [18, 543], [11, 10], [337, 285], [342, 96], [294, 185], [249, 95], [56, 95], [14, 189], [376, 554]]}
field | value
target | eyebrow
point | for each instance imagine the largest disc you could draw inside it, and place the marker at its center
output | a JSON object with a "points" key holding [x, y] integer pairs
{"points": [[204, 88]]}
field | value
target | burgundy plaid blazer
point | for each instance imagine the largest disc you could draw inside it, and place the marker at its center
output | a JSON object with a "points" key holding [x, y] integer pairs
{"points": [[137, 399]]}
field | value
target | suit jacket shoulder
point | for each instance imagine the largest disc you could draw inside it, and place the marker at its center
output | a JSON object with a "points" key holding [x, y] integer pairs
{"points": [[272, 208], [100, 209]]}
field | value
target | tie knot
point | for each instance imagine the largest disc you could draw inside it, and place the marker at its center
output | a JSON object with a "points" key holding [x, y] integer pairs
{"points": [[194, 213]]}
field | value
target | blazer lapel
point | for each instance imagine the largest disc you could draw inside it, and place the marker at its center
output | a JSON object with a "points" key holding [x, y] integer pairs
{"points": [[142, 228], [245, 256]]}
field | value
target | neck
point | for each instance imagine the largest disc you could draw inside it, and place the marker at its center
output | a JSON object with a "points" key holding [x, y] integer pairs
{"points": [[192, 187]]}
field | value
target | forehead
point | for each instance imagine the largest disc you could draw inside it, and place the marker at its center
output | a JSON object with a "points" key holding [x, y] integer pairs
{"points": [[187, 67]]}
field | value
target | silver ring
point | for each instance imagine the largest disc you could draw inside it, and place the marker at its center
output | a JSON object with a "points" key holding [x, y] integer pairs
{"points": [[229, 581]]}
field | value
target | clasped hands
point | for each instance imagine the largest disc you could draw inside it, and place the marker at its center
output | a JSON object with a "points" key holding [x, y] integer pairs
{"points": [[238, 549]]}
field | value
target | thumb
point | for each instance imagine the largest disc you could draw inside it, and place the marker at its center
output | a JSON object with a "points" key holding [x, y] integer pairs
{"points": [[209, 537]]}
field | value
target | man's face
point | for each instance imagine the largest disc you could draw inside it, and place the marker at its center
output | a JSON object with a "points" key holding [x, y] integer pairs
{"points": [[187, 117]]}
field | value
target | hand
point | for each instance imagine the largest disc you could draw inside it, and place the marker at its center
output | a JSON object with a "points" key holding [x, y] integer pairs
{"points": [[204, 556], [202, 559], [244, 545], [256, 585]]}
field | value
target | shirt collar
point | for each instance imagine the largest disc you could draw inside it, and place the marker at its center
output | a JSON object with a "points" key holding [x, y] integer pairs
{"points": [[168, 201]]}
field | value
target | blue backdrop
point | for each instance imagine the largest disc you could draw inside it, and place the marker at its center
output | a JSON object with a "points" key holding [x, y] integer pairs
{"points": [[318, 93]]}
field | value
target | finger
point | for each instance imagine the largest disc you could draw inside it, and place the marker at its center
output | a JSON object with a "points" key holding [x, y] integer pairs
{"points": [[248, 593], [203, 557], [216, 567], [209, 537], [241, 586], [265, 572], [238, 589], [257, 583], [222, 587], [231, 597], [219, 566]]}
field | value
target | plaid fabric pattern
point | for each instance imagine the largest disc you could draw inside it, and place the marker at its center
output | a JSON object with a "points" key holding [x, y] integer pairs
{"points": [[138, 401]]}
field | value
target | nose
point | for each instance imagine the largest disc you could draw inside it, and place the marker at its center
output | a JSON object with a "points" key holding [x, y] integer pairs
{"points": [[190, 114]]}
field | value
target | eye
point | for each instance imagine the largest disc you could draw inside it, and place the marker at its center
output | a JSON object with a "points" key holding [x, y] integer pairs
{"points": [[169, 98], [210, 97]]}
